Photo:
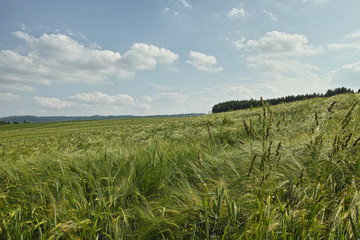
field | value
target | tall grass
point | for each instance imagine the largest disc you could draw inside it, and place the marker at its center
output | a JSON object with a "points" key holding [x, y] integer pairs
{"points": [[285, 172]]}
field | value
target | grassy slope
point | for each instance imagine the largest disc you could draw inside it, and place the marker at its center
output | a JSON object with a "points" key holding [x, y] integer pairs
{"points": [[286, 172]]}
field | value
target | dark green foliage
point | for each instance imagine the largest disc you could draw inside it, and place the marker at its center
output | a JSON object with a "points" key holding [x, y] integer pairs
{"points": [[4, 123], [245, 104], [337, 91]]}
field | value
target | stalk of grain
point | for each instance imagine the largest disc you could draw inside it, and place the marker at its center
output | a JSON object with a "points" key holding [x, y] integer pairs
{"points": [[252, 164]]}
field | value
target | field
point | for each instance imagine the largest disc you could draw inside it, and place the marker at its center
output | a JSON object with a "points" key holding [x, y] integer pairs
{"points": [[289, 171]]}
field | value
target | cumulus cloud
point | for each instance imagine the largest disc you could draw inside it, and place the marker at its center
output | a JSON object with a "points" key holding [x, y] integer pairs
{"points": [[20, 70], [236, 13], [279, 44], [277, 55], [60, 58], [145, 57], [203, 62], [52, 103], [102, 98], [9, 96]]}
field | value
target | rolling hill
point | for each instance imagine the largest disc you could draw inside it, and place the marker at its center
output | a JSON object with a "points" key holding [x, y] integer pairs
{"points": [[289, 171]]}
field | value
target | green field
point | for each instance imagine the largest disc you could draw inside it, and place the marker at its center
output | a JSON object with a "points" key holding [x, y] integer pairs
{"points": [[289, 171]]}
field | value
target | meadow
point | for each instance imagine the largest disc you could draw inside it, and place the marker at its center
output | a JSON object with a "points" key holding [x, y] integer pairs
{"points": [[289, 171]]}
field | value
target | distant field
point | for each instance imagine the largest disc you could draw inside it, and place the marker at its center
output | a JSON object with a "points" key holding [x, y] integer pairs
{"points": [[290, 171]]}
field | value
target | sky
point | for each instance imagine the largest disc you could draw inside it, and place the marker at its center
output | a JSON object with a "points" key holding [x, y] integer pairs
{"points": [[146, 57]]}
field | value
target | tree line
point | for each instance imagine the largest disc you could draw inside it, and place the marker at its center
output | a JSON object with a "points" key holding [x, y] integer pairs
{"points": [[252, 103], [4, 122], [8, 122]]}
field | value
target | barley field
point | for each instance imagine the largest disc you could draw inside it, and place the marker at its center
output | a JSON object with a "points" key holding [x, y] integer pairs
{"points": [[290, 171]]}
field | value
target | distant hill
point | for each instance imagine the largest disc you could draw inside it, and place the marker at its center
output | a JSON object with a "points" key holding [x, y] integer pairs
{"points": [[37, 119]]}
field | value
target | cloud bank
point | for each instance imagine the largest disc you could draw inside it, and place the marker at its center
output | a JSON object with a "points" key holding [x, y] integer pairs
{"points": [[278, 55], [279, 44], [203, 62], [59, 58]]}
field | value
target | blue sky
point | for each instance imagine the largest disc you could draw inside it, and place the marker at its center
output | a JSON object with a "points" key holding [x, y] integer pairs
{"points": [[148, 57]]}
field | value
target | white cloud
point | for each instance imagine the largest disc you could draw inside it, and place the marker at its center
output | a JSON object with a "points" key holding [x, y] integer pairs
{"points": [[279, 44], [236, 13], [102, 98], [354, 34], [52, 103], [270, 15], [239, 43], [348, 74], [288, 66], [145, 57], [354, 67], [344, 46], [203, 62], [17, 69], [277, 56], [59, 58], [351, 43], [185, 3], [9, 96]]}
